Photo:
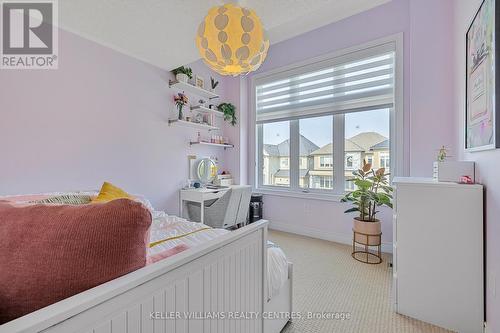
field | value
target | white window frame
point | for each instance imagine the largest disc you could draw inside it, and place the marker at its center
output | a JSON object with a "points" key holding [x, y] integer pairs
{"points": [[326, 179], [326, 165], [347, 161], [385, 157], [398, 137]]}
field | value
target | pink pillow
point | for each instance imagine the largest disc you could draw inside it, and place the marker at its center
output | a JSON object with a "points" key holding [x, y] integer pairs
{"points": [[49, 253]]}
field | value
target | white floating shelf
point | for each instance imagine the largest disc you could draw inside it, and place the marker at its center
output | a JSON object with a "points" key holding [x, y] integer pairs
{"points": [[184, 123], [212, 144], [199, 108], [193, 89]]}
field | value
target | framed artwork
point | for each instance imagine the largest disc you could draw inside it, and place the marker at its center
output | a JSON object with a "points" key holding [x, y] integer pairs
{"points": [[482, 119], [199, 81]]}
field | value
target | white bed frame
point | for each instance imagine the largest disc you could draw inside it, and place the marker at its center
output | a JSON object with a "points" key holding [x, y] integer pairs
{"points": [[224, 275]]}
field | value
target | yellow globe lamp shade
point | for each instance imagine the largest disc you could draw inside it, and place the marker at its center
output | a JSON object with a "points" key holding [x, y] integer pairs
{"points": [[231, 40]]}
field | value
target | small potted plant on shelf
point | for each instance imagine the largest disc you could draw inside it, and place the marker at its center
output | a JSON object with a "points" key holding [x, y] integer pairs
{"points": [[183, 74], [229, 111], [180, 100], [372, 191]]}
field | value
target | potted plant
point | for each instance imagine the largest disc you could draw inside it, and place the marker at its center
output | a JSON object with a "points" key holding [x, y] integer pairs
{"points": [[372, 191], [183, 74], [229, 111], [180, 100]]}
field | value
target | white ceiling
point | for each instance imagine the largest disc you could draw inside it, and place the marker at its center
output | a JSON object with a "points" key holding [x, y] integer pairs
{"points": [[162, 32]]}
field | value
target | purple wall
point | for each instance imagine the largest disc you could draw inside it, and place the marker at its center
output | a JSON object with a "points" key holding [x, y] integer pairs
{"points": [[428, 105], [486, 167], [101, 116]]}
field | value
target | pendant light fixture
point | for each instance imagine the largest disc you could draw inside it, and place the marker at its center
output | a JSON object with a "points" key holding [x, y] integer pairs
{"points": [[232, 40]]}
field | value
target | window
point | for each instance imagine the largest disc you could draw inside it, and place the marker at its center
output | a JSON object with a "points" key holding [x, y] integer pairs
{"points": [[349, 185], [316, 124], [304, 162], [325, 162], [326, 182], [384, 160], [349, 161], [315, 147], [275, 154], [366, 134]]}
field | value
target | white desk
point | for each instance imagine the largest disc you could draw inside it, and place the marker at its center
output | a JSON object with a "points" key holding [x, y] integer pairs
{"points": [[199, 195]]}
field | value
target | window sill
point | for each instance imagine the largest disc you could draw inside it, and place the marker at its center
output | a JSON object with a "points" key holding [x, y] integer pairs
{"points": [[300, 195]]}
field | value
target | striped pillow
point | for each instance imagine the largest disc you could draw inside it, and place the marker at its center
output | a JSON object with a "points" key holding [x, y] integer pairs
{"points": [[66, 199]]}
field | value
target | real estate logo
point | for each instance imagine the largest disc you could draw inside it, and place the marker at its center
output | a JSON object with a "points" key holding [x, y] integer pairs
{"points": [[29, 34]]}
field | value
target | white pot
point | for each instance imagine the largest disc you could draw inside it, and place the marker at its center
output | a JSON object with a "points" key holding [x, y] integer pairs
{"points": [[181, 77]]}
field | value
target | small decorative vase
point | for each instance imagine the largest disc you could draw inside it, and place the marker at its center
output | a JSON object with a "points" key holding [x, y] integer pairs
{"points": [[179, 107], [181, 77]]}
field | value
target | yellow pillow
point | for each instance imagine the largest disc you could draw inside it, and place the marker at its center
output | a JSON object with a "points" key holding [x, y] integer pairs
{"points": [[110, 192]]}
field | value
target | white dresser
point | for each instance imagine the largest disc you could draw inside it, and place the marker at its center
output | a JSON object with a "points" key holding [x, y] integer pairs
{"points": [[438, 253]]}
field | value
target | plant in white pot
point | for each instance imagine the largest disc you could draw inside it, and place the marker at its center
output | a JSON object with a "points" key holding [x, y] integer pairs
{"points": [[183, 74], [372, 191]]}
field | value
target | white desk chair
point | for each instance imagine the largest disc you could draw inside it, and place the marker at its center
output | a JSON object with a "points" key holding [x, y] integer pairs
{"points": [[225, 212]]}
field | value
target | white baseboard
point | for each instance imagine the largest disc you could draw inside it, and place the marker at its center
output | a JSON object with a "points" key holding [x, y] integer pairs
{"points": [[320, 234]]}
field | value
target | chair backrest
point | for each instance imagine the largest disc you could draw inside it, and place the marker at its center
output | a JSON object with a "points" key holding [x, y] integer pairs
{"points": [[246, 193], [230, 209]]}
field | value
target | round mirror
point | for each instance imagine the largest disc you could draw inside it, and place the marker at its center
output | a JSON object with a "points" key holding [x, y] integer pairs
{"points": [[207, 170]]}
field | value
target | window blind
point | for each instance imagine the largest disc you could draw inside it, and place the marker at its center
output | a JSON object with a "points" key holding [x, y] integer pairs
{"points": [[359, 80]]}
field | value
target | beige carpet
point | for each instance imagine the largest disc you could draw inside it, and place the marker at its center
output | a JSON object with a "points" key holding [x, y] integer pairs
{"points": [[328, 279]]}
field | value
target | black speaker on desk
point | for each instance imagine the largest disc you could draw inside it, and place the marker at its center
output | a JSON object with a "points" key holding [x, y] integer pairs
{"points": [[255, 211]]}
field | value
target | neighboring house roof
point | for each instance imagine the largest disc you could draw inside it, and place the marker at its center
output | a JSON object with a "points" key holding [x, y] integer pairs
{"points": [[384, 145], [325, 150], [352, 146], [349, 146], [271, 150], [283, 148], [281, 173], [366, 140]]}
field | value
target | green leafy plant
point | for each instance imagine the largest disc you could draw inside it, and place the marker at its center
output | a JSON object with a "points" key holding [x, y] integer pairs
{"points": [[183, 70], [229, 111], [372, 191]]}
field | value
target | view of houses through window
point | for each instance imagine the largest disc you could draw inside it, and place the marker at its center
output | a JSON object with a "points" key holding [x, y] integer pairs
{"points": [[276, 153], [366, 138]]}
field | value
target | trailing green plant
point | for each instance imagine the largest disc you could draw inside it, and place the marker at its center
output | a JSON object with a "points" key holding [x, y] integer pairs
{"points": [[229, 111], [372, 191], [183, 70]]}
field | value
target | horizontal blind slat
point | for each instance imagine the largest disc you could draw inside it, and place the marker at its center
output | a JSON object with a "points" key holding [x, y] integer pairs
{"points": [[300, 95], [335, 104], [328, 109], [342, 80], [337, 72], [360, 83]]}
